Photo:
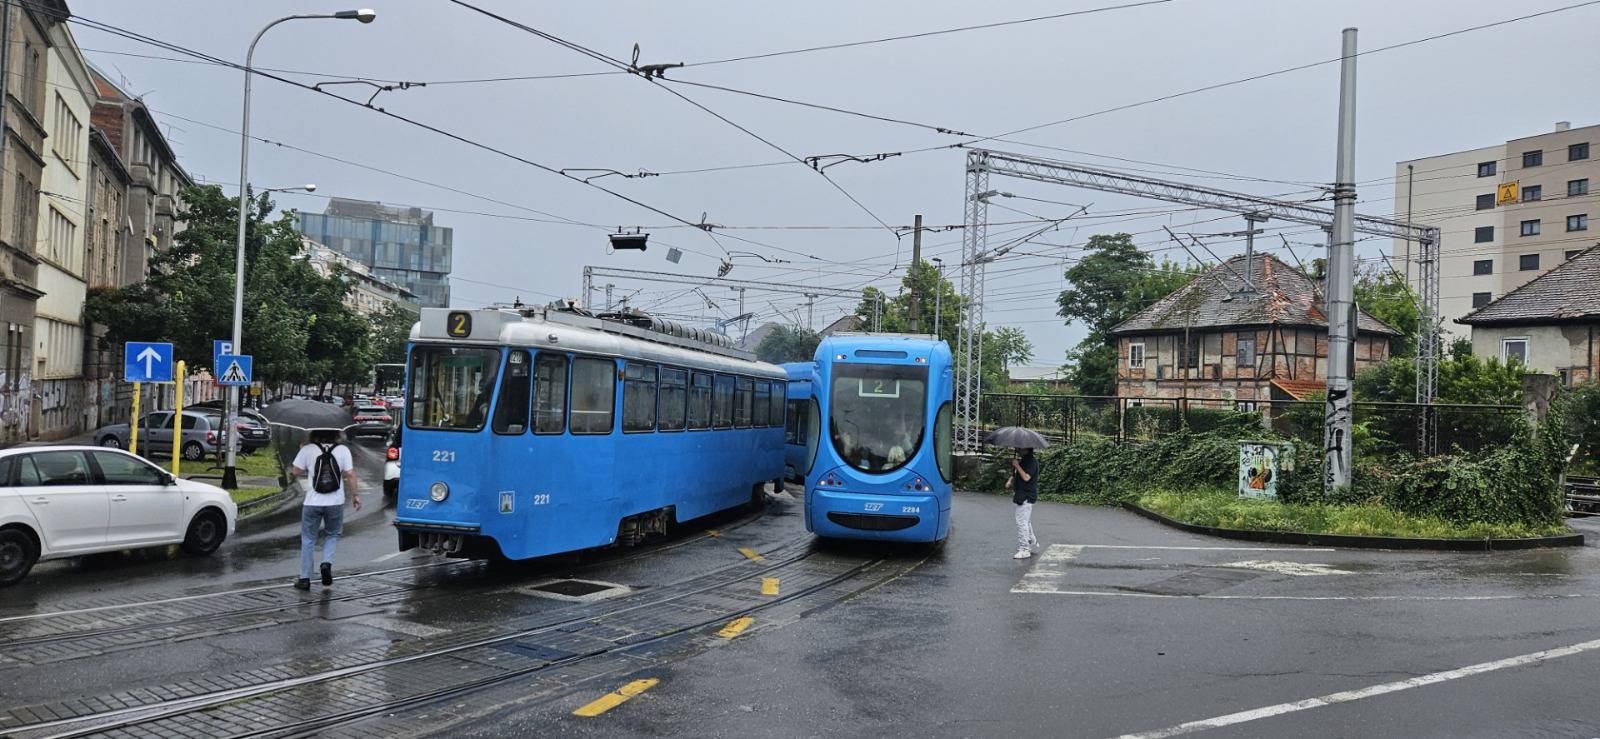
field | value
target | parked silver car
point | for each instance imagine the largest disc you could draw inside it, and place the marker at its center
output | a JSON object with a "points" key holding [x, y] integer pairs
{"points": [[155, 434]]}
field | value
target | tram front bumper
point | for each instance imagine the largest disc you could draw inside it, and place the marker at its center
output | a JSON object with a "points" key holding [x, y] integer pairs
{"points": [[840, 514]]}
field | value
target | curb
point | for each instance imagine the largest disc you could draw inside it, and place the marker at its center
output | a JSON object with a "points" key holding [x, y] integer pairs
{"points": [[1362, 542], [267, 502]]}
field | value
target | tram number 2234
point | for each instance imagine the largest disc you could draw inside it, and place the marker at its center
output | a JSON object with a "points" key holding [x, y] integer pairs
{"points": [[440, 455]]}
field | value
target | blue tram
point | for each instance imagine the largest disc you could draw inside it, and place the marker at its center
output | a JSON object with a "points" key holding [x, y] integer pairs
{"points": [[538, 431], [800, 419], [882, 464]]}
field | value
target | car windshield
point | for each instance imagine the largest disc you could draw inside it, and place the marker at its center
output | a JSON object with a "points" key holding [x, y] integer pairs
{"points": [[875, 414]]}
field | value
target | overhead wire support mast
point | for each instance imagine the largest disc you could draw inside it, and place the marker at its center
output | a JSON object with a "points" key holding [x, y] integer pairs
{"points": [[983, 163]]}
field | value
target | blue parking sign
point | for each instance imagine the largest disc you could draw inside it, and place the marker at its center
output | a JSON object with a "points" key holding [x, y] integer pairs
{"points": [[147, 361], [235, 369]]}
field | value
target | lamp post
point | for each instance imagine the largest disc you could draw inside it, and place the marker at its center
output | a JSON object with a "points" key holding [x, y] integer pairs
{"points": [[230, 475]]}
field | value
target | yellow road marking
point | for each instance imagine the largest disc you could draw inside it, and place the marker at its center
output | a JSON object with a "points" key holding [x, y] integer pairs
{"points": [[713, 532], [769, 586], [612, 700], [736, 627], [751, 553]]}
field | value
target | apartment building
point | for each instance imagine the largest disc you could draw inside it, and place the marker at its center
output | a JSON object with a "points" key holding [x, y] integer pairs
{"points": [[155, 179], [1509, 213], [368, 296]]}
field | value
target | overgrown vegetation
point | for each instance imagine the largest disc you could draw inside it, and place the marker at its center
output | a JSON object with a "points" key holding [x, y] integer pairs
{"points": [[1225, 509]]}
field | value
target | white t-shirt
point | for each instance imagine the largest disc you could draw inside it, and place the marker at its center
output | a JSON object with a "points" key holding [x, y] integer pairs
{"points": [[307, 460]]}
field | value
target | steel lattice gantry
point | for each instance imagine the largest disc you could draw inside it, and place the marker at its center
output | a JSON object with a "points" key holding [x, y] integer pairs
{"points": [[982, 163]]}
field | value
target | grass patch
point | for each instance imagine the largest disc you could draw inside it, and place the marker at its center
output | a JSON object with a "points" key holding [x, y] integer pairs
{"points": [[245, 495], [1224, 509]]}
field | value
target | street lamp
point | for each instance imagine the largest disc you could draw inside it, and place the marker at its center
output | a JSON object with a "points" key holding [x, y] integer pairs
{"points": [[308, 187], [230, 474]]}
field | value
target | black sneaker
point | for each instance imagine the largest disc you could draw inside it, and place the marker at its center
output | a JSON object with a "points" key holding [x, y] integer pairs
{"points": [[327, 573], [302, 584]]}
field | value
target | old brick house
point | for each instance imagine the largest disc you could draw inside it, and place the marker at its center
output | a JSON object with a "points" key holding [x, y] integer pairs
{"points": [[1218, 338], [1549, 324]]}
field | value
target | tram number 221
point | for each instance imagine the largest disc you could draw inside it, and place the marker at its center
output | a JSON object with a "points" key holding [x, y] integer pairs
{"points": [[440, 455]]}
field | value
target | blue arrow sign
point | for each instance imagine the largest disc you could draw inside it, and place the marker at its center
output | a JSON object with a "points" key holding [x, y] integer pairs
{"points": [[147, 361], [235, 369]]}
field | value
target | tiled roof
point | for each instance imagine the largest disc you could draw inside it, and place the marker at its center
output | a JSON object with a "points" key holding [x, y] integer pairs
{"points": [[1283, 296], [1565, 293], [1300, 389]]}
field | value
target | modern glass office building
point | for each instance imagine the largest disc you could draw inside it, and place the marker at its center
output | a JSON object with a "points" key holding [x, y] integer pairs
{"points": [[401, 245]]}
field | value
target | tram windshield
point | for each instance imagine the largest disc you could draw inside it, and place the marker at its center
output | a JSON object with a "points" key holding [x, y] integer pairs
{"points": [[876, 414], [451, 387]]}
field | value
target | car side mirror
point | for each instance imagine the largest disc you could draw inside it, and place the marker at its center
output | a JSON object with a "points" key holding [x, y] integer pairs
{"points": [[168, 479]]}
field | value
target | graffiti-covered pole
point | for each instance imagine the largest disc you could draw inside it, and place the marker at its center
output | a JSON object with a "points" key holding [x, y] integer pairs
{"points": [[1341, 281]]}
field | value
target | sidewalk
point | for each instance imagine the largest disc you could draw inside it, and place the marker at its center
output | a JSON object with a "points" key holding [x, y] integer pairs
{"points": [[85, 439]]}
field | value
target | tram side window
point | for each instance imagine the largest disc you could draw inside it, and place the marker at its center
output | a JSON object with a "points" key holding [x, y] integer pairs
{"points": [[761, 411], [550, 394], [741, 403], [673, 399], [511, 415], [594, 395], [639, 397], [780, 393], [794, 427], [700, 401], [722, 403], [450, 387]]}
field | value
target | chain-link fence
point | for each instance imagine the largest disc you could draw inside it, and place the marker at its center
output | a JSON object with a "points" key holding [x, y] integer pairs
{"points": [[1378, 427]]}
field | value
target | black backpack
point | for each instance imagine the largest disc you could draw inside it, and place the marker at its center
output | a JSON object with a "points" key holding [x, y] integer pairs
{"points": [[325, 476]]}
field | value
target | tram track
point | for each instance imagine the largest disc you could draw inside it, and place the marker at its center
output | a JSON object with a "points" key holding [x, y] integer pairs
{"points": [[137, 624], [137, 715]]}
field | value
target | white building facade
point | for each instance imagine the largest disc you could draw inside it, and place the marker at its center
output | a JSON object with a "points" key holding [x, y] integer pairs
{"points": [[1493, 244]]}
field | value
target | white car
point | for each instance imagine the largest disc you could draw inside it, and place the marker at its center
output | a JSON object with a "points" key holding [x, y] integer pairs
{"points": [[66, 501]]}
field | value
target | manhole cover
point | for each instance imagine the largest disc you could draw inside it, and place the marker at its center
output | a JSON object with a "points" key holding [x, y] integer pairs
{"points": [[573, 588]]}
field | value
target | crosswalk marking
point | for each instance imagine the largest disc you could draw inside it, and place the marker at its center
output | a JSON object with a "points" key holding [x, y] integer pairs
{"points": [[1046, 575]]}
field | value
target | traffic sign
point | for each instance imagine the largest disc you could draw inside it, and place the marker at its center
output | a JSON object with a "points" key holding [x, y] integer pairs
{"points": [[147, 361], [236, 370], [220, 348], [1508, 192]]}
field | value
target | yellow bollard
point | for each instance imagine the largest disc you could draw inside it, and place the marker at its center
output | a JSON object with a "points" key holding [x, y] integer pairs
{"points": [[133, 423], [177, 420]]}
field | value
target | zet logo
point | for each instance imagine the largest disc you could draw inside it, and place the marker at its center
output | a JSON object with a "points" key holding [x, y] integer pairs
{"points": [[416, 503]]}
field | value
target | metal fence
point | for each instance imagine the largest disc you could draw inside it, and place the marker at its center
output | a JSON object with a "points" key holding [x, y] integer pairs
{"points": [[1379, 426]]}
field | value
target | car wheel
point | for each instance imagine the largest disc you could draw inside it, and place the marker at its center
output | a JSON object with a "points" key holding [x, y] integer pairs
{"points": [[17, 555], [111, 442], [206, 533], [193, 452]]}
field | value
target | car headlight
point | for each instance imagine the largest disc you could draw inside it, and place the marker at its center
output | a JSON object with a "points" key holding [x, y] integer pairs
{"points": [[439, 491]]}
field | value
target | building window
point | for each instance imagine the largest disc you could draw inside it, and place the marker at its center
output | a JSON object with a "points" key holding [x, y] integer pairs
{"points": [[68, 129], [1480, 299], [1189, 353], [1245, 353], [1576, 152], [1483, 267], [1579, 222], [58, 244], [1532, 193], [1572, 253], [1532, 158], [1530, 228], [1528, 262], [1577, 187], [1136, 356], [1514, 349], [1483, 234], [1485, 202], [1486, 169]]}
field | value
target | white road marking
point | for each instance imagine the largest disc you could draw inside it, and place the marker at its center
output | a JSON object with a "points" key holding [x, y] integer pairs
{"points": [[1046, 574], [389, 556], [398, 625], [1347, 696], [1113, 594], [1298, 569]]}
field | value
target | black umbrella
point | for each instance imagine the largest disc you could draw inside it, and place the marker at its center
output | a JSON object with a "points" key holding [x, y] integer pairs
{"points": [[1015, 437]]}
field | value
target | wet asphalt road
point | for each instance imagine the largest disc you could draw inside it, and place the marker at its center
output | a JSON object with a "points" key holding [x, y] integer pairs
{"points": [[1119, 627]]}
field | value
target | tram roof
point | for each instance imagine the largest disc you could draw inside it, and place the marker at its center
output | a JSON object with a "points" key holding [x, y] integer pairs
{"points": [[554, 329]]}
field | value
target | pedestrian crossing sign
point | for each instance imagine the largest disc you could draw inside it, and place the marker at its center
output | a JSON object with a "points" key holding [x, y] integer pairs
{"points": [[235, 369]]}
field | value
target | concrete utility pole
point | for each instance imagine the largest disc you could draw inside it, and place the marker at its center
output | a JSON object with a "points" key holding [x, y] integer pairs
{"points": [[1341, 282], [916, 259]]}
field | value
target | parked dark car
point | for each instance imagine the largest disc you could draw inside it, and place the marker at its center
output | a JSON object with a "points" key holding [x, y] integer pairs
{"points": [[255, 432], [371, 420]]}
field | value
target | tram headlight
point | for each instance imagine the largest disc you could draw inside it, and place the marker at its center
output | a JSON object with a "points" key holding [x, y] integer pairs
{"points": [[439, 491]]}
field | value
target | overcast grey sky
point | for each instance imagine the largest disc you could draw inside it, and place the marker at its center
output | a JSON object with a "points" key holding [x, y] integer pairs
{"points": [[1466, 91]]}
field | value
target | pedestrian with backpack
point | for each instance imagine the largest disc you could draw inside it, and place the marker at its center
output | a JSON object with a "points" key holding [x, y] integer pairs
{"points": [[330, 474]]}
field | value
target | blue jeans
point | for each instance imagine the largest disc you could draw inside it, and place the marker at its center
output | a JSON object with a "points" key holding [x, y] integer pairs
{"points": [[329, 518]]}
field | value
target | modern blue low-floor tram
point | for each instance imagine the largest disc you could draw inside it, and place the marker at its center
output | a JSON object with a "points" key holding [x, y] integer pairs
{"points": [[538, 431], [881, 463]]}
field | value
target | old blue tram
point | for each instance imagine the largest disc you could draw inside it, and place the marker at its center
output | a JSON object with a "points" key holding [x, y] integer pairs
{"points": [[880, 462], [537, 431], [800, 416]]}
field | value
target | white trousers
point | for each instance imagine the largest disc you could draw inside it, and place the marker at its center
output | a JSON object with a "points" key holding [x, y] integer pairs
{"points": [[1025, 537]]}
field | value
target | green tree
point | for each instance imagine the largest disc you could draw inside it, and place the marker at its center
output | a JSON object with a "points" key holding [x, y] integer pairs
{"points": [[1109, 285], [295, 322], [933, 290], [788, 344], [391, 331], [1382, 293]]}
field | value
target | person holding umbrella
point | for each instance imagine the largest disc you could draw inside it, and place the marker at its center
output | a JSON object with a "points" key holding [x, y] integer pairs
{"points": [[1023, 482]]}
